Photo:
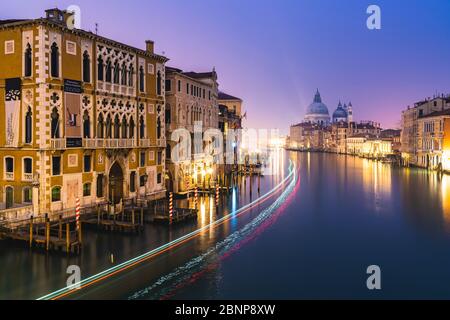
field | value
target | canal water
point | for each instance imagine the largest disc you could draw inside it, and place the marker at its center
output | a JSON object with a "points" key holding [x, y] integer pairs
{"points": [[314, 238]]}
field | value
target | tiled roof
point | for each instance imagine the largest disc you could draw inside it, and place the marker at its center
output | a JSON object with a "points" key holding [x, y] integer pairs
{"points": [[225, 96], [10, 21], [437, 114]]}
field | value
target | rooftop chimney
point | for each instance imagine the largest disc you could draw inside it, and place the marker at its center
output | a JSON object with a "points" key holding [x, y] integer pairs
{"points": [[150, 46]]}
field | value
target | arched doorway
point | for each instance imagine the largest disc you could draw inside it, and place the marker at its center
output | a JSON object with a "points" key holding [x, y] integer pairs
{"points": [[115, 183]]}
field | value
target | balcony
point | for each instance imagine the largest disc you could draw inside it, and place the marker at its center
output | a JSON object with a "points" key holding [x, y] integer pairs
{"points": [[161, 143], [109, 143], [27, 177], [9, 176], [58, 144], [144, 143]]}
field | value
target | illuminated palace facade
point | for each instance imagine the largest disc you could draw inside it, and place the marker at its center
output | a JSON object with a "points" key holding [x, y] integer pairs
{"points": [[83, 117], [191, 99]]}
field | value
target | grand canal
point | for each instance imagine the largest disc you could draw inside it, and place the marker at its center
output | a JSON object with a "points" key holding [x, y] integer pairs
{"points": [[312, 229]]}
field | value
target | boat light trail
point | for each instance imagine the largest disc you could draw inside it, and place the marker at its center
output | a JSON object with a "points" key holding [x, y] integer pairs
{"points": [[188, 273], [164, 248]]}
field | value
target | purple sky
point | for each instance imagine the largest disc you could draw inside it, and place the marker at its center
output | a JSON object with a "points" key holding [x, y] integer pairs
{"points": [[274, 54]]}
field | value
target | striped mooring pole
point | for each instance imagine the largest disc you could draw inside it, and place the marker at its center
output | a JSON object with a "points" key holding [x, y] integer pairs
{"points": [[196, 196], [217, 194], [170, 207], [77, 213]]}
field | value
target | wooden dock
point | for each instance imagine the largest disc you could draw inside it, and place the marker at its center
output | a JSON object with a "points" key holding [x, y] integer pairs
{"points": [[179, 215], [41, 233]]}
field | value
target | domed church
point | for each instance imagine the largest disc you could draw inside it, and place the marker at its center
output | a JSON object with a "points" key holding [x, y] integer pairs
{"points": [[317, 112], [343, 113]]}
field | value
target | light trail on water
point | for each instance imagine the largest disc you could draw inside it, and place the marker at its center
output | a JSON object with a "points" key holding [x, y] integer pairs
{"points": [[188, 273], [66, 291]]}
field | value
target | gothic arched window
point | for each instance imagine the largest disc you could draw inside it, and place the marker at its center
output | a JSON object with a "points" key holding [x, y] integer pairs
{"points": [[86, 125], [28, 126], [116, 127], [108, 71], [55, 124], [158, 83], [141, 128], [124, 75], [108, 127], [141, 79], [116, 72], [132, 125], [86, 67], [131, 77], [124, 128], [28, 59], [100, 69], [54, 60], [100, 125]]}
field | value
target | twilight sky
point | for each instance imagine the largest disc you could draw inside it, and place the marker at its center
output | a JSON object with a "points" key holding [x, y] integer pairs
{"points": [[274, 54]]}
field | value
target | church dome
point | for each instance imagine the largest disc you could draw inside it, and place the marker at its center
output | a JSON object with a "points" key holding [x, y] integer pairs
{"points": [[340, 112], [317, 107]]}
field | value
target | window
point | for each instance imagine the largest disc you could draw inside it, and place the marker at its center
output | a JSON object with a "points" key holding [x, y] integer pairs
{"points": [[142, 181], [159, 157], [100, 126], [100, 179], [158, 83], [179, 85], [141, 128], [108, 71], [9, 191], [27, 169], [169, 85], [158, 128], [204, 93], [168, 115], [87, 189], [86, 125], [142, 159], [187, 88], [116, 127], [124, 75], [124, 127], [131, 128], [130, 78], [56, 194], [87, 68], [141, 79], [55, 124], [87, 163], [71, 47], [27, 195], [133, 181], [28, 126], [100, 69], [159, 178], [116, 72], [9, 47], [108, 127], [54, 60], [9, 168], [56, 165], [28, 61]]}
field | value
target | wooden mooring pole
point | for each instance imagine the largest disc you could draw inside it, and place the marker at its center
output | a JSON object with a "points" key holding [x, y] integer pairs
{"points": [[67, 237], [47, 234], [31, 231]]}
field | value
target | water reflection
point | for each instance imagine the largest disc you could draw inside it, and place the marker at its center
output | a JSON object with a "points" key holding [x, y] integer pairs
{"points": [[377, 183]]}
